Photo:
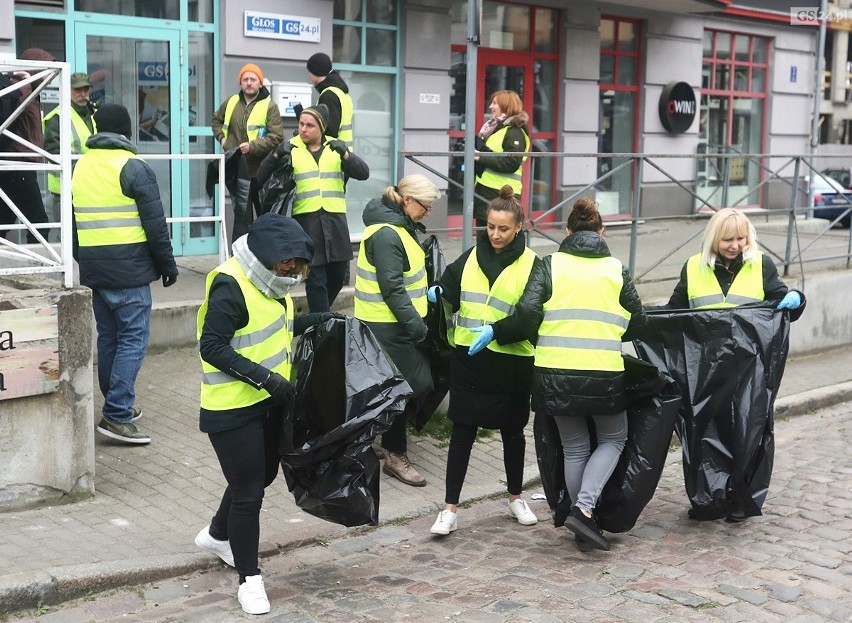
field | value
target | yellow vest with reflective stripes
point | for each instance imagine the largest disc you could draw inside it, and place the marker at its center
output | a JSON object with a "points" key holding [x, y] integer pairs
{"points": [[318, 184], [256, 119], [370, 306], [346, 133], [482, 304], [704, 291], [492, 179], [80, 133], [265, 340], [104, 215], [583, 319]]}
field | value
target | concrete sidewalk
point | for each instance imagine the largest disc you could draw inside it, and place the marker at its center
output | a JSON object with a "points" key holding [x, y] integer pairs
{"points": [[151, 500]]}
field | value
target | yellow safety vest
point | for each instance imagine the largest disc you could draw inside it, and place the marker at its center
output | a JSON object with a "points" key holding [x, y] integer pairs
{"points": [[265, 340], [256, 122], [370, 305], [583, 319], [318, 184], [80, 133], [346, 133], [492, 179], [104, 215], [482, 304], [704, 291]]}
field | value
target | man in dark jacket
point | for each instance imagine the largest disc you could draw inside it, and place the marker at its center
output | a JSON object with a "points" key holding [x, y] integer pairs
{"points": [[121, 243], [334, 95], [22, 186], [251, 122]]}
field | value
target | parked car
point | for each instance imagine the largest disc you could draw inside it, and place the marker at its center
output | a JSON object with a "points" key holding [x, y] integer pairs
{"points": [[831, 199], [841, 174]]}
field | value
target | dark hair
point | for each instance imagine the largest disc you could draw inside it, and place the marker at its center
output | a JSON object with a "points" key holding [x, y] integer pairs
{"points": [[507, 202], [584, 216]]}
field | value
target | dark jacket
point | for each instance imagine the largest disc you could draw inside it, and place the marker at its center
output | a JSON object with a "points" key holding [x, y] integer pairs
{"points": [[227, 313], [571, 392], [237, 133], [331, 101], [773, 288], [401, 340], [129, 265], [514, 140], [28, 123], [51, 126], [491, 390]]}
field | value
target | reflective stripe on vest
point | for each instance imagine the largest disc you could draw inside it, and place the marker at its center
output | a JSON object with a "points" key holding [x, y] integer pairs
{"points": [[264, 340], [583, 319], [704, 291], [346, 133], [495, 180], [318, 184], [80, 133], [481, 304], [370, 305], [103, 214], [256, 117]]}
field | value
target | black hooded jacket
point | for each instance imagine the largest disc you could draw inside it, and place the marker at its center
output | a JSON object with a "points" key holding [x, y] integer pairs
{"points": [[570, 392], [332, 102], [272, 238]]}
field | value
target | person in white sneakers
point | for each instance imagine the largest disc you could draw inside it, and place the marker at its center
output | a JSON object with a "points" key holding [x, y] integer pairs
{"points": [[488, 389]]}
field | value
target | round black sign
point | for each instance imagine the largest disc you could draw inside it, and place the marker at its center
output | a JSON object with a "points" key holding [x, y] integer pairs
{"points": [[677, 107]]}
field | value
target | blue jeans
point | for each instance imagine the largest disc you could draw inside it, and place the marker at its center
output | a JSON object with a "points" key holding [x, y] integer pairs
{"points": [[123, 321]]}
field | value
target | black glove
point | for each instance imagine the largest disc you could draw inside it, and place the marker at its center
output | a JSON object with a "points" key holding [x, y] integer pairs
{"points": [[284, 148], [169, 280], [279, 388], [339, 147], [298, 108]]}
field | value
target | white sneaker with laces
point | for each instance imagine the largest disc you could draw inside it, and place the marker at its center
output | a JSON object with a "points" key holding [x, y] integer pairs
{"points": [[520, 510], [221, 548], [252, 595], [445, 523]]}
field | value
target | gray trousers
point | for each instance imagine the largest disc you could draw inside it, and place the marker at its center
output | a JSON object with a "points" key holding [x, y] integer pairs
{"points": [[587, 472]]}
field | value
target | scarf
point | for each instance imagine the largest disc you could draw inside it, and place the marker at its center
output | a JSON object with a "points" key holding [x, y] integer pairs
{"points": [[265, 280], [489, 126]]}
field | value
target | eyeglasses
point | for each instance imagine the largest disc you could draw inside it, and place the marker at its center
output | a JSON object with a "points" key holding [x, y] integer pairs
{"points": [[420, 203]]}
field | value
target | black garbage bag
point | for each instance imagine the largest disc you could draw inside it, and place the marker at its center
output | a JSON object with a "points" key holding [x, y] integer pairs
{"points": [[278, 191], [235, 167], [347, 393], [438, 321], [653, 401], [728, 364]]}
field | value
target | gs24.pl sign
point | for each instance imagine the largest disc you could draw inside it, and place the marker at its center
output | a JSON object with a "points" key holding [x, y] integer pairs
{"points": [[275, 26]]}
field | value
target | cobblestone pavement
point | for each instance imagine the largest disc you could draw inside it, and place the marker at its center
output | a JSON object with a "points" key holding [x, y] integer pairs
{"points": [[793, 564]]}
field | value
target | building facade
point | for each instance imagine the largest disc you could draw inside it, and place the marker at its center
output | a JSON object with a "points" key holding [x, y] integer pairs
{"points": [[591, 76]]}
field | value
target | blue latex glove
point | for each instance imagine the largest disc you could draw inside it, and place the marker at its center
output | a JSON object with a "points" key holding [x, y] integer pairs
{"points": [[791, 300], [433, 292], [483, 339]]}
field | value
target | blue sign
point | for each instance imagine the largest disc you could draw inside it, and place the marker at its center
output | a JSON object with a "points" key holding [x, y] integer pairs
{"points": [[793, 73], [152, 71], [275, 26]]}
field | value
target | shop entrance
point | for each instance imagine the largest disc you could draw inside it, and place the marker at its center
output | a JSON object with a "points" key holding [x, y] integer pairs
{"points": [[134, 67]]}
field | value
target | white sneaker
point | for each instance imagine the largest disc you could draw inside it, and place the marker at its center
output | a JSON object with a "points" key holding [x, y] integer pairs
{"points": [[252, 595], [221, 548], [520, 510], [445, 523]]}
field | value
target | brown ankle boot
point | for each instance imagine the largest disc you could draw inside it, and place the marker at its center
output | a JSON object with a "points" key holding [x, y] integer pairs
{"points": [[398, 466]]}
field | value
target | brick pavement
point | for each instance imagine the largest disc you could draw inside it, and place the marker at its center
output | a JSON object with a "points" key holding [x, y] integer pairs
{"points": [[792, 564]]}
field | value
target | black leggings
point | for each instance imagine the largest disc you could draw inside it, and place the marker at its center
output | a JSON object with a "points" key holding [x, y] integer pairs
{"points": [[249, 457], [458, 457]]}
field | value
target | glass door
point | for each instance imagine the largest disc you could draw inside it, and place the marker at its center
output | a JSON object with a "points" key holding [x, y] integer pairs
{"points": [[134, 67]]}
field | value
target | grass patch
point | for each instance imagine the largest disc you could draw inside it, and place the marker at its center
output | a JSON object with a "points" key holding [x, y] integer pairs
{"points": [[440, 428]]}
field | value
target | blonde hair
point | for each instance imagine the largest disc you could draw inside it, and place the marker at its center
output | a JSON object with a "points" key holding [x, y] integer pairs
{"points": [[727, 223], [416, 186]]}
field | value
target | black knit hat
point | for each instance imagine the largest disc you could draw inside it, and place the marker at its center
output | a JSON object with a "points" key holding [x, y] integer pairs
{"points": [[318, 112], [319, 64], [113, 118]]}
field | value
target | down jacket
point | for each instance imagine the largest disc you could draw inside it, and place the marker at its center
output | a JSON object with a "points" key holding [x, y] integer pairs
{"points": [[570, 392]]}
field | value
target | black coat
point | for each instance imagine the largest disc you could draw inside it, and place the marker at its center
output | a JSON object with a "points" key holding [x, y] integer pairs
{"points": [[331, 101], [570, 392], [773, 288], [490, 390]]}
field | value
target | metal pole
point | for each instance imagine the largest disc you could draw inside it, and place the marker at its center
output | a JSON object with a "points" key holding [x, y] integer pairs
{"points": [[634, 217], [470, 120], [791, 222], [820, 70]]}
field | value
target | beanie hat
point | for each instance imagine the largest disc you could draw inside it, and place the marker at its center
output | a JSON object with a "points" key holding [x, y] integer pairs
{"points": [[319, 64], [320, 113], [252, 68], [113, 118]]}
